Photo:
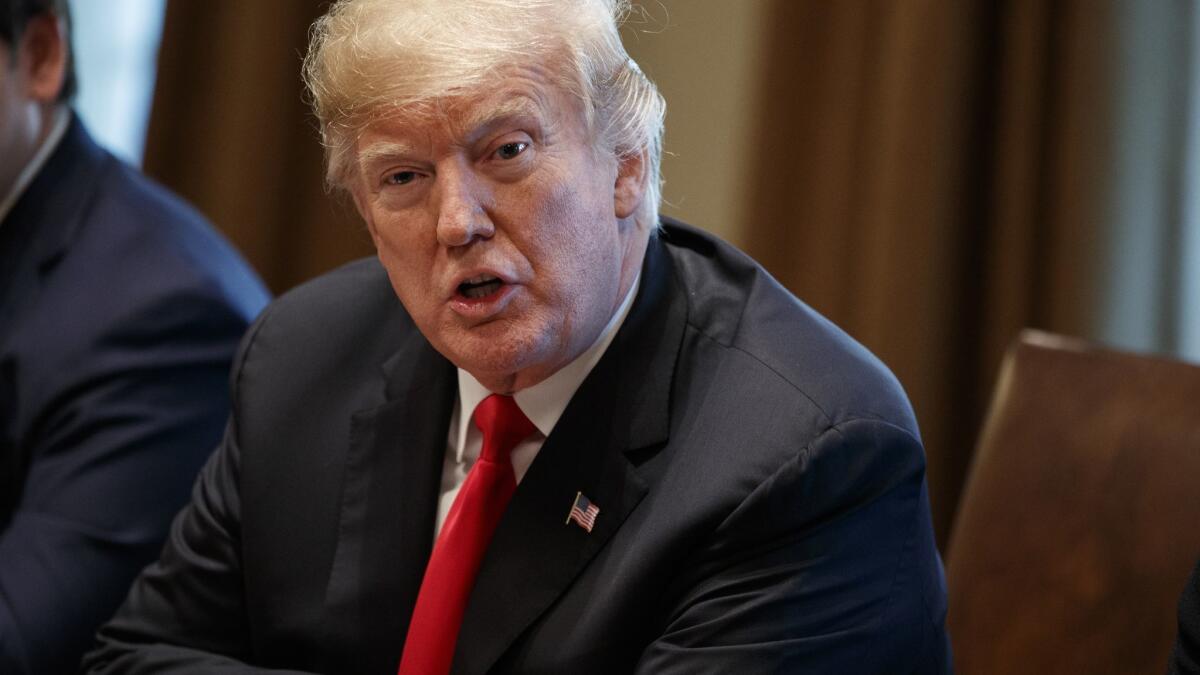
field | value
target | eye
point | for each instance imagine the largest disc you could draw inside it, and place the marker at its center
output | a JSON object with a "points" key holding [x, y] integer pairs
{"points": [[400, 177], [511, 150]]}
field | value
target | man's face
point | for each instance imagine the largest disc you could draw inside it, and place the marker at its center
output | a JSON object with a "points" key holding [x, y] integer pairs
{"points": [[501, 226]]}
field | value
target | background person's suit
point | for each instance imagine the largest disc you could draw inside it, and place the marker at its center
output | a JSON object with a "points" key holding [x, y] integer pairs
{"points": [[120, 311], [759, 477]]}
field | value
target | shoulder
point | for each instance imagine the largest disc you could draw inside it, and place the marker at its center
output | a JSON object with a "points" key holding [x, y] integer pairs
{"points": [[330, 334], [793, 460], [763, 334], [124, 277], [123, 247], [127, 302], [337, 311], [162, 240]]}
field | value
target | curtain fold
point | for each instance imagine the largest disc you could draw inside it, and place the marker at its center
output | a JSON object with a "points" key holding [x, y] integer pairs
{"points": [[231, 132]]}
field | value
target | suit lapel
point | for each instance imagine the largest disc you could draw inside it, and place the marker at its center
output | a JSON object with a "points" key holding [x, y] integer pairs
{"points": [[43, 221], [34, 235], [621, 408], [389, 500]]}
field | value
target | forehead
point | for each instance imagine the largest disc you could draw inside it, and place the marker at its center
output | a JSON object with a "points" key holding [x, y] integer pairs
{"points": [[528, 95]]}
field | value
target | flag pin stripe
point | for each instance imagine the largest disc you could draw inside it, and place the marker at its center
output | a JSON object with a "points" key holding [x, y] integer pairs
{"points": [[583, 512]]}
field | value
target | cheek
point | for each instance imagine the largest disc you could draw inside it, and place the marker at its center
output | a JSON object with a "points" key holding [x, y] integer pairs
{"points": [[573, 236], [578, 250], [402, 238], [407, 264]]}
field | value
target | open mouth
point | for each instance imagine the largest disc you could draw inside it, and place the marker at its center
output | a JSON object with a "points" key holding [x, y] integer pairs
{"points": [[479, 287]]}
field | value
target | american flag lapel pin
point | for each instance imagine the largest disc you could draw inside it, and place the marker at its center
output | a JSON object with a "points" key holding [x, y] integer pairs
{"points": [[583, 512]]}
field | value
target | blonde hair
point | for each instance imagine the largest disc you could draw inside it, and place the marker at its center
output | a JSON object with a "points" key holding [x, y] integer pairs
{"points": [[368, 58]]}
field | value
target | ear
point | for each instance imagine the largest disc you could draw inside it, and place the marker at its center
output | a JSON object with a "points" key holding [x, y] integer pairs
{"points": [[43, 57], [630, 187]]}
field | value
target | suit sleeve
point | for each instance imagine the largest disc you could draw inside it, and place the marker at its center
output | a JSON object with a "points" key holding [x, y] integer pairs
{"points": [[828, 566], [116, 423], [186, 612]]}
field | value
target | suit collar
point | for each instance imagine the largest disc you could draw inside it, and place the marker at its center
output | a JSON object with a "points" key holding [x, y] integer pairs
{"points": [[58, 126], [645, 353], [48, 213], [44, 220], [622, 407]]}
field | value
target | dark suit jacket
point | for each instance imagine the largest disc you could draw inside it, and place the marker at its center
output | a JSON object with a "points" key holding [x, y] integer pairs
{"points": [[120, 312], [759, 476], [1185, 657]]}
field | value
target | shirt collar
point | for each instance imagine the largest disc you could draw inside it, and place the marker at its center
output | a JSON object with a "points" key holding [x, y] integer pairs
{"points": [[58, 127], [544, 402]]}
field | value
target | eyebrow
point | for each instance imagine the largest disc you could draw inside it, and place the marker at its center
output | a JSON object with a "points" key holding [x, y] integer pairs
{"points": [[382, 150], [484, 117]]}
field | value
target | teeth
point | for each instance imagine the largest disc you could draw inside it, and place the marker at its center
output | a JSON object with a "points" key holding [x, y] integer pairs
{"points": [[479, 286], [481, 290]]}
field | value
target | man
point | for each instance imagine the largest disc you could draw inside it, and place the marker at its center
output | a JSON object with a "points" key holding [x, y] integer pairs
{"points": [[120, 311], [681, 468]]}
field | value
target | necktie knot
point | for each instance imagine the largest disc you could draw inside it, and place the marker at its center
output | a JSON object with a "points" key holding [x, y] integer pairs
{"points": [[503, 425]]}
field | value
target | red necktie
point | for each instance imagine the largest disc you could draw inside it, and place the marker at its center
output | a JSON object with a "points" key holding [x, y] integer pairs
{"points": [[450, 574]]}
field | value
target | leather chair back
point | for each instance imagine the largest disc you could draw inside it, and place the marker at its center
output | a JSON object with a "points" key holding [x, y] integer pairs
{"points": [[1080, 519]]}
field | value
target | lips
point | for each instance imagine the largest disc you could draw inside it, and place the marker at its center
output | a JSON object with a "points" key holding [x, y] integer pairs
{"points": [[482, 295], [479, 286]]}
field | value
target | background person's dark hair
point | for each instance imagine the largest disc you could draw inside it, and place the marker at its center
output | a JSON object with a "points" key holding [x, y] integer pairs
{"points": [[15, 14]]}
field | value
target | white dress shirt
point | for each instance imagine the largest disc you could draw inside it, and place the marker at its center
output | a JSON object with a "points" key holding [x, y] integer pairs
{"points": [[58, 127], [543, 404]]}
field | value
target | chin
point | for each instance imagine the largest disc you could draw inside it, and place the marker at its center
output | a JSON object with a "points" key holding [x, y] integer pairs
{"points": [[497, 358]]}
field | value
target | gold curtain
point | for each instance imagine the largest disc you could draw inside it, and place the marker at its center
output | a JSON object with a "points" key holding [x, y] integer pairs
{"points": [[930, 175], [231, 132]]}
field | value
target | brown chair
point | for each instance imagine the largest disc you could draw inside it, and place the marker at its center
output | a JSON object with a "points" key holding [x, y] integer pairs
{"points": [[1080, 520]]}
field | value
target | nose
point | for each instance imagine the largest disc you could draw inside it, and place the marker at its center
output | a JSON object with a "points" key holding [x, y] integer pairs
{"points": [[462, 201]]}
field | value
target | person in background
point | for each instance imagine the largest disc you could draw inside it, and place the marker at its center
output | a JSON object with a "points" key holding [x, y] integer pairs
{"points": [[545, 430], [120, 311]]}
